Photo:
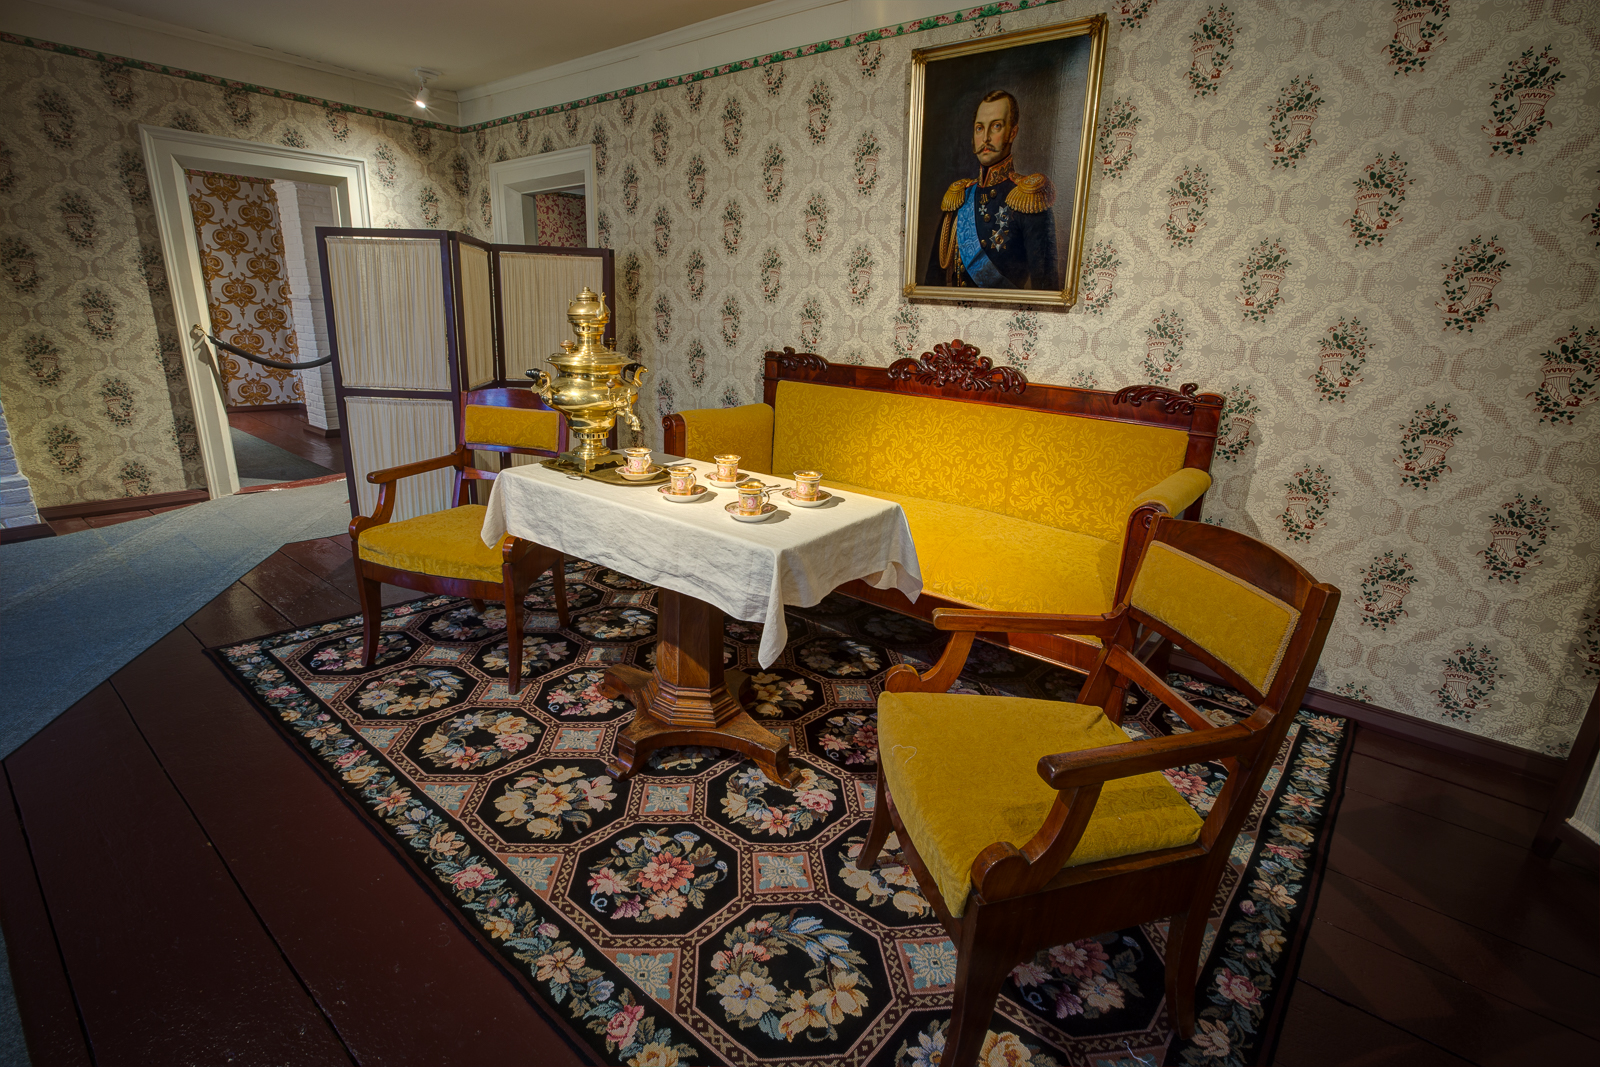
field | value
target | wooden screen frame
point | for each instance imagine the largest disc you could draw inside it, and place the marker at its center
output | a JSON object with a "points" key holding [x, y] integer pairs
{"points": [[450, 242]]}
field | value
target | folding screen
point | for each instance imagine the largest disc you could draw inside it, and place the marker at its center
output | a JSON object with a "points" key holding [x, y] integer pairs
{"points": [[417, 316]]}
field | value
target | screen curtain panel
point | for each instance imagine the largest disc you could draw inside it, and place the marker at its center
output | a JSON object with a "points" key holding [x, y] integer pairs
{"points": [[240, 239], [416, 317]]}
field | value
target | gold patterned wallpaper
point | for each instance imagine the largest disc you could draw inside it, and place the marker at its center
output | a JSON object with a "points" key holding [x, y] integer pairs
{"points": [[247, 287], [1372, 225]]}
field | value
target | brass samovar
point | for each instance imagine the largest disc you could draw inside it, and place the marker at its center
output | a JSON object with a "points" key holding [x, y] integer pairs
{"points": [[592, 387]]}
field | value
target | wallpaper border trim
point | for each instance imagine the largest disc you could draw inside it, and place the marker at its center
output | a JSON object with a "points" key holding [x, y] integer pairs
{"points": [[882, 33]]}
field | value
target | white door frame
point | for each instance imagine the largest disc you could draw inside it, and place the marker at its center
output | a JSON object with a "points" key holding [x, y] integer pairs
{"points": [[167, 154], [511, 179]]}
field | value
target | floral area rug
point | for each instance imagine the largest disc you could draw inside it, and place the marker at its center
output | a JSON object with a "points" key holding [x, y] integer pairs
{"points": [[699, 914]]}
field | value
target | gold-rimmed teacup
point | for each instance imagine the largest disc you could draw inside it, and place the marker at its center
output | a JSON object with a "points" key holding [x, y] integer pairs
{"points": [[807, 485], [752, 497], [728, 467], [680, 480], [638, 460]]}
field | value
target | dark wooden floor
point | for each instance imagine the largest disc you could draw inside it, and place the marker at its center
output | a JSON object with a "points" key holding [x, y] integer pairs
{"points": [[285, 428], [177, 886]]}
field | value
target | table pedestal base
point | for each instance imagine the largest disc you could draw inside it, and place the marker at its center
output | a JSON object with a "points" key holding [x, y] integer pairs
{"points": [[689, 699]]}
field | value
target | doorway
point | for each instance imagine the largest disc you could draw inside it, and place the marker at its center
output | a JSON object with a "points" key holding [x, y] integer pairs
{"points": [[514, 182], [168, 155]]}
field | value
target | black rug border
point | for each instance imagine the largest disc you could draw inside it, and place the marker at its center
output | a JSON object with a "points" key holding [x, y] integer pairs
{"points": [[1272, 1029], [1272, 1025], [558, 1023]]}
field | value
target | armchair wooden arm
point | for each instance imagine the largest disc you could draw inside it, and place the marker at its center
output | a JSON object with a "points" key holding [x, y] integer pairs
{"points": [[966, 624], [1091, 766], [389, 475]]}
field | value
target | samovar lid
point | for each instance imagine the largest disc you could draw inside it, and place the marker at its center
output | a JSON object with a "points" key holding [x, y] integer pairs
{"points": [[588, 316]]}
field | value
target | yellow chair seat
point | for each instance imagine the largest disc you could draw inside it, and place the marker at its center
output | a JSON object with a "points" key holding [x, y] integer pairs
{"points": [[994, 561], [963, 774], [446, 544]]}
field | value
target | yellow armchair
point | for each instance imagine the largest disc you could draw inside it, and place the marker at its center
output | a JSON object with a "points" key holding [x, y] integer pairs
{"points": [[443, 552], [1033, 823]]}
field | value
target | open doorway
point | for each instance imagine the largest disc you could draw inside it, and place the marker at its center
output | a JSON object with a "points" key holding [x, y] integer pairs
{"points": [[256, 239], [337, 196], [561, 181], [556, 217]]}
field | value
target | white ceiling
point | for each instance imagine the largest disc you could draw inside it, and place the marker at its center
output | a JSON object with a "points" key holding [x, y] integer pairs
{"points": [[473, 42]]}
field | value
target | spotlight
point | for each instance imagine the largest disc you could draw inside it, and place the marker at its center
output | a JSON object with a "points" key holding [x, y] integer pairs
{"points": [[422, 95]]}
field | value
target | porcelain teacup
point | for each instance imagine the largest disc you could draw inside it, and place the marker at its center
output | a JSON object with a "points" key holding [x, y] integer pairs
{"points": [[752, 497], [680, 480], [807, 485], [638, 461], [728, 467]]}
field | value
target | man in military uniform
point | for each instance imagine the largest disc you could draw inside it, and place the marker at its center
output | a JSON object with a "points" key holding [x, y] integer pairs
{"points": [[998, 231]]}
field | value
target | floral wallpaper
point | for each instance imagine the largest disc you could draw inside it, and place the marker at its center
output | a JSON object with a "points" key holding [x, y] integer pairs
{"points": [[247, 287], [562, 219], [1370, 226], [1374, 227], [91, 372]]}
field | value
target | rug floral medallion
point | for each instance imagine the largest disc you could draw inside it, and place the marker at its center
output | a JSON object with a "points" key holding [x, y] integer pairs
{"points": [[698, 913]]}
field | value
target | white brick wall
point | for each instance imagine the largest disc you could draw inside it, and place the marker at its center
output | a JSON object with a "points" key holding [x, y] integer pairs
{"points": [[16, 498], [302, 207]]}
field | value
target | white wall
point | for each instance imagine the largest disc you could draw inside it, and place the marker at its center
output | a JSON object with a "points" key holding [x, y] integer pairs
{"points": [[302, 207]]}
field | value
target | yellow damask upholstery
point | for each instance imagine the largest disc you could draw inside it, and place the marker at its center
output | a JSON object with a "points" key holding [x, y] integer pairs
{"points": [[1244, 627], [518, 427], [1076, 474], [447, 544], [744, 431], [962, 772], [994, 561]]}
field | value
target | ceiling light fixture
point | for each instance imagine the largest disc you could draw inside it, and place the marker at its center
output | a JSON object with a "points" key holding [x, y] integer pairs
{"points": [[421, 96]]}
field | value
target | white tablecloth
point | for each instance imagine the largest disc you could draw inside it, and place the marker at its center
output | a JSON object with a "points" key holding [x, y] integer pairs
{"points": [[749, 570]]}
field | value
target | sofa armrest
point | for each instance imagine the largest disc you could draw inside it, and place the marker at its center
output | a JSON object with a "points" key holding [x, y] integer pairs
{"points": [[1176, 491], [703, 433]]}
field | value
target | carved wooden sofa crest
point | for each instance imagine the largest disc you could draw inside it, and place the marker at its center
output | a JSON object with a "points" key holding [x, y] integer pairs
{"points": [[1021, 497]]}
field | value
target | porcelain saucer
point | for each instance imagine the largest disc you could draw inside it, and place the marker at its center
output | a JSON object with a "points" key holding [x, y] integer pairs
{"points": [[823, 496], [724, 485], [699, 491], [653, 471], [765, 513]]}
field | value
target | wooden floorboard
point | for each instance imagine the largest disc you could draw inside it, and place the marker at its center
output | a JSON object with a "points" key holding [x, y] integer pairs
{"points": [[168, 962], [1439, 1008], [246, 891], [1496, 886], [401, 981], [1531, 980], [1321, 1031], [39, 975]]}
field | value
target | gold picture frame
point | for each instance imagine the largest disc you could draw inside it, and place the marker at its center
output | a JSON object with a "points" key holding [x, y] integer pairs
{"points": [[1010, 239]]}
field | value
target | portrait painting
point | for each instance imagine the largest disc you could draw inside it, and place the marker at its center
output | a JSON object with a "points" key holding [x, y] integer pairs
{"points": [[999, 161]]}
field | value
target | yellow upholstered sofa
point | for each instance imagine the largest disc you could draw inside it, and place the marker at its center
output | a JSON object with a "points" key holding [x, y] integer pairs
{"points": [[1021, 497]]}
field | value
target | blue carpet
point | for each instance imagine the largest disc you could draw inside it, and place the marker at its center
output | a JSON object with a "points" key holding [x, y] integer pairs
{"points": [[264, 463], [75, 609], [118, 589]]}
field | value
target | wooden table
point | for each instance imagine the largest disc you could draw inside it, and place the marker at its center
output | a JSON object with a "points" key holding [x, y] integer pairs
{"points": [[705, 566], [690, 699]]}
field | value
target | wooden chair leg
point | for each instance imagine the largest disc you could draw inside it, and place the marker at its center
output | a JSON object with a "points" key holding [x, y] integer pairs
{"points": [[513, 639], [477, 605], [982, 964], [370, 591], [558, 582], [1184, 937], [878, 832]]}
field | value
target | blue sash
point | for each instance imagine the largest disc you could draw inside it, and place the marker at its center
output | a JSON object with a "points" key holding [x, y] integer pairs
{"points": [[978, 267]]}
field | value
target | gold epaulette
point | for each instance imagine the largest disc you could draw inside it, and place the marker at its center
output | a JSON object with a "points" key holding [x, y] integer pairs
{"points": [[1033, 193], [956, 193]]}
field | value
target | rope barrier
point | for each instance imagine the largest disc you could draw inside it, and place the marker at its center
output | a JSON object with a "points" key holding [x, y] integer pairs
{"points": [[199, 334]]}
